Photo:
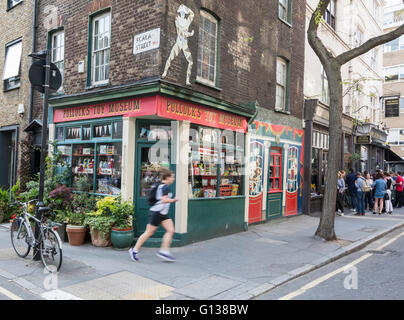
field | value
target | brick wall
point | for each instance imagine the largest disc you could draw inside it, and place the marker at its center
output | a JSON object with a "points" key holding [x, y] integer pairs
{"points": [[251, 38], [16, 23]]}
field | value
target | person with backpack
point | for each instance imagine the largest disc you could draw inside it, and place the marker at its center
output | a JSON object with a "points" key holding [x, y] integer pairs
{"points": [[159, 197], [389, 188], [360, 194]]}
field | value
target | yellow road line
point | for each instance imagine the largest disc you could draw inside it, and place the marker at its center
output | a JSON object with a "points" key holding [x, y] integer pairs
{"points": [[316, 282], [9, 294]]}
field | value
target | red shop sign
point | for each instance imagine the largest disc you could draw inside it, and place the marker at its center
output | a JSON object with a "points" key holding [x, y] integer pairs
{"points": [[129, 108], [179, 110], [157, 105]]}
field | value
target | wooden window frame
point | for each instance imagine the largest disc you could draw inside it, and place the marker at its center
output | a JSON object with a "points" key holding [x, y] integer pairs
{"points": [[276, 152]]}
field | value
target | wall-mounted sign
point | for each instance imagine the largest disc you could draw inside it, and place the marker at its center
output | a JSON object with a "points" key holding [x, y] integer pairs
{"points": [[129, 108], [146, 41], [179, 110], [363, 140], [392, 107]]}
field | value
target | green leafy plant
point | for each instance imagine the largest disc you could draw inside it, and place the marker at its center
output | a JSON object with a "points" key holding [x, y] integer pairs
{"points": [[75, 218], [102, 224], [123, 214], [355, 156]]}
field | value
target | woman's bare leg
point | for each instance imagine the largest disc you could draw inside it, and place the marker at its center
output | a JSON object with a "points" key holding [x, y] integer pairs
{"points": [[146, 235]]}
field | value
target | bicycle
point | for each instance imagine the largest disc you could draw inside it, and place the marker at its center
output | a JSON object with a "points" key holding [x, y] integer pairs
{"points": [[48, 242]]}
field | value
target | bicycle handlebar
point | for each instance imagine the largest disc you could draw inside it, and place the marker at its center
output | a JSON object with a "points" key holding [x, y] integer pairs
{"points": [[23, 203]]}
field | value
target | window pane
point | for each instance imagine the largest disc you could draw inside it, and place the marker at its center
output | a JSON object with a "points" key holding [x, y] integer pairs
{"points": [[109, 168], [12, 62], [102, 130], [73, 132], [118, 128], [391, 74]]}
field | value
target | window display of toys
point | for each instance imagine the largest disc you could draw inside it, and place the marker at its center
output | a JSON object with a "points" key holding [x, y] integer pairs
{"points": [[86, 151]]}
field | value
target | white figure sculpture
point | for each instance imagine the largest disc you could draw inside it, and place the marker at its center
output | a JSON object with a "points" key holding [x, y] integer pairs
{"points": [[182, 23]]}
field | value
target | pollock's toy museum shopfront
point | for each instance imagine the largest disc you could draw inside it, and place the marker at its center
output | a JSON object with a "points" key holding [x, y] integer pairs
{"points": [[118, 145]]}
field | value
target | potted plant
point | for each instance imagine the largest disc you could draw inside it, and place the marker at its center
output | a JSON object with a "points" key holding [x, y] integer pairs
{"points": [[101, 221], [76, 231], [122, 233]]}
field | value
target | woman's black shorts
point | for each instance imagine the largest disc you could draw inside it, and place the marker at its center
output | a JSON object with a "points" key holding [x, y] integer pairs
{"points": [[155, 218]]}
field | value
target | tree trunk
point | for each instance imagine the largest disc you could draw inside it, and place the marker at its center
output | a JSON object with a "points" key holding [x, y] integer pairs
{"points": [[326, 227]]}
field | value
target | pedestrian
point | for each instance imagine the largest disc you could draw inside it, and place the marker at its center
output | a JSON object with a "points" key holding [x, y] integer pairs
{"points": [[340, 192], [158, 214], [350, 181], [389, 188], [360, 194], [380, 190], [399, 190], [368, 191]]}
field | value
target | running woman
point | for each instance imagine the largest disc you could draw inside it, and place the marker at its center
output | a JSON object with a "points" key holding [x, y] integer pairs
{"points": [[159, 215]]}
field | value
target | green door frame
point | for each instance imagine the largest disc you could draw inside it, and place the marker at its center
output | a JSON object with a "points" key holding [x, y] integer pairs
{"points": [[141, 202]]}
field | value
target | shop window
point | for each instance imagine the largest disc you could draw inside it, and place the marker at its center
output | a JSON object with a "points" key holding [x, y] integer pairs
{"points": [[315, 169], [109, 161], [93, 157], [207, 49], [73, 133], [293, 166], [275, 170], [102, 130], [216, 167], [152, 132], [11, 75]]}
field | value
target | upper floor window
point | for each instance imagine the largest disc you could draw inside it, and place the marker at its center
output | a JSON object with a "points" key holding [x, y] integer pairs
{"points": [[284, 10], [394, 73], [11, 75], [12, 3], [373, 58], [358, 38], [101, 44], [325, 93], [329, 14], [58, 50], [207, 49], [394, 45], [281, 84], [394, 17]]}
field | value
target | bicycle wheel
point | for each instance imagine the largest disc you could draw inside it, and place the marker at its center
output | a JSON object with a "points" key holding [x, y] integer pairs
{"points": [[51, 250], [19, 238]]}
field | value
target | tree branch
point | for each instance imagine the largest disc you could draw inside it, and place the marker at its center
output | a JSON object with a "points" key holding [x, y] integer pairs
{"points": [[369, 45], [315, 42]]}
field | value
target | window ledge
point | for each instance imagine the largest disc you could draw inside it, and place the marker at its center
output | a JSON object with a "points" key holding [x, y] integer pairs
{"points": [[11, 89], [207, 85], [10, 8], [282, 111], [98, 85], [285, 22]]}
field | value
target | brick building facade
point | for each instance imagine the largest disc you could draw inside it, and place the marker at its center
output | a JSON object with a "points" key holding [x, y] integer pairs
{"points": [[16, 33], [247, 64]]}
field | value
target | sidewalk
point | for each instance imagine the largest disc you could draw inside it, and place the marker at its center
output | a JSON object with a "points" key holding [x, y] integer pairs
{"points": [[239, 266]]}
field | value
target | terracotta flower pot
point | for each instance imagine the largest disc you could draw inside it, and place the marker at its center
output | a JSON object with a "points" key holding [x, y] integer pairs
{"points": [[76, 234], [98, 241]]}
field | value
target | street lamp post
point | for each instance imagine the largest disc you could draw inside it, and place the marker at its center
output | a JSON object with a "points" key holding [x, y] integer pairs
{"points": [[43, 55], [355, 127]]}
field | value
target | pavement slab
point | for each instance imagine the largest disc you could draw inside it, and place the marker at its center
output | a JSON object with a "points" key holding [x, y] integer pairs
{"points": [[235, 267]]}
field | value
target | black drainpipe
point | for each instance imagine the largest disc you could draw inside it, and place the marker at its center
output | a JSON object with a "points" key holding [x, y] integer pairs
{"points": [[31, 92]]}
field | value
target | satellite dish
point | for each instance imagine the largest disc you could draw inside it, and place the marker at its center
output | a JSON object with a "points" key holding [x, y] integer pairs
{"points": [[37, 76]]}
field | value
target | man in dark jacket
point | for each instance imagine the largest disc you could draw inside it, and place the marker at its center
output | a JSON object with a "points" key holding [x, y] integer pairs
{"points": [[350, 181]]}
